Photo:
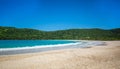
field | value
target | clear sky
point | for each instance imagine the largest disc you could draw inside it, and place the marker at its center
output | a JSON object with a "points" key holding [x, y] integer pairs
{"points": [[60, 14]]}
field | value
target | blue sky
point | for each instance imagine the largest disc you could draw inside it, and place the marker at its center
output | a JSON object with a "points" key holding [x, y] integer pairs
{"points": [[60, 14]]}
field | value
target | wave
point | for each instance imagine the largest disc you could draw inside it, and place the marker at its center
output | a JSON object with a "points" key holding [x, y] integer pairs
{"points": [[78, 43], [37, 46]]}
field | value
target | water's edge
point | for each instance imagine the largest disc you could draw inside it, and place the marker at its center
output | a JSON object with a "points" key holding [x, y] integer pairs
{"points": [[78, 44]]}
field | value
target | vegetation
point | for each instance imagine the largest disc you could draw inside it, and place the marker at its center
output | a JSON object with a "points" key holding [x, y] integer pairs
{"points": [[79, 34]]}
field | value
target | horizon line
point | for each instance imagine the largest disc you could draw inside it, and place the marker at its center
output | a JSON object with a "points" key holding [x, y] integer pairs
{"points": [[58, 29]]}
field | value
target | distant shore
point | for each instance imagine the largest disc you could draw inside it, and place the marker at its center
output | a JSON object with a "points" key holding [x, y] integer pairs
{"points": [[96, 57]]}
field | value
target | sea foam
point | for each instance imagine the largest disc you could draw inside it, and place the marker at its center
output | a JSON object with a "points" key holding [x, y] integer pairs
{"points": [[78, 43]]}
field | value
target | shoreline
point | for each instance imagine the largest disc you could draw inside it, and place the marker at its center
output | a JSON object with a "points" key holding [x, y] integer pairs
{"points": [[96, 57], [77, 44]]}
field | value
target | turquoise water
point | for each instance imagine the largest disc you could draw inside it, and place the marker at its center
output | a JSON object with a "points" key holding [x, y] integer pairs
{"points": [[30, 43]]}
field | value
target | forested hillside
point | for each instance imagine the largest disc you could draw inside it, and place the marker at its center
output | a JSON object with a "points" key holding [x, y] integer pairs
{"points": [[80, 34]]}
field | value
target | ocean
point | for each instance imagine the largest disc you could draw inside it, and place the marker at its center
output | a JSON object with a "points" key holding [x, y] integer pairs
{"points": [[9, 47], [30, 43]]}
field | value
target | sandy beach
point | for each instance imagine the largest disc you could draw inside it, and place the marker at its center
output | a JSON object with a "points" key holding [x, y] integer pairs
{"points": [[96, 57]]}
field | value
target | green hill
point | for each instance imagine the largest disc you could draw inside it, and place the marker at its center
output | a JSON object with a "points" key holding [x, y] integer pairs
{"points": [[81, 34]]}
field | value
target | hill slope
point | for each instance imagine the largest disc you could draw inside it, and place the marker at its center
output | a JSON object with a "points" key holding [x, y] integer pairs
{"points": [[82, 34]]}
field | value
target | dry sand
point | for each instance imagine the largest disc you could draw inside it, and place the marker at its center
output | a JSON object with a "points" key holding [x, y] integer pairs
{"points": [[98, 57]]}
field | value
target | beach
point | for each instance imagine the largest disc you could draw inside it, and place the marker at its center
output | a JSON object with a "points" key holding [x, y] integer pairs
{"points": [[106, 56]]}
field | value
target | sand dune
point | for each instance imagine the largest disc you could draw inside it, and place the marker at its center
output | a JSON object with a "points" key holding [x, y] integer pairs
{"points": [[98, 57]]}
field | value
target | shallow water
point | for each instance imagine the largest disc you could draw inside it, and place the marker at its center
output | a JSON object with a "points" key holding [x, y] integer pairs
{"points": [[9, 47], [30, 43]]}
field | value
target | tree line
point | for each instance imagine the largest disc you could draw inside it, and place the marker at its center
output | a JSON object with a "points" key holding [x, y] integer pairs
{"points": [[12, 33]]}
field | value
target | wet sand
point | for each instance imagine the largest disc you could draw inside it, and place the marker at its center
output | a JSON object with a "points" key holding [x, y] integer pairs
{"points": [[95, 57]]}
